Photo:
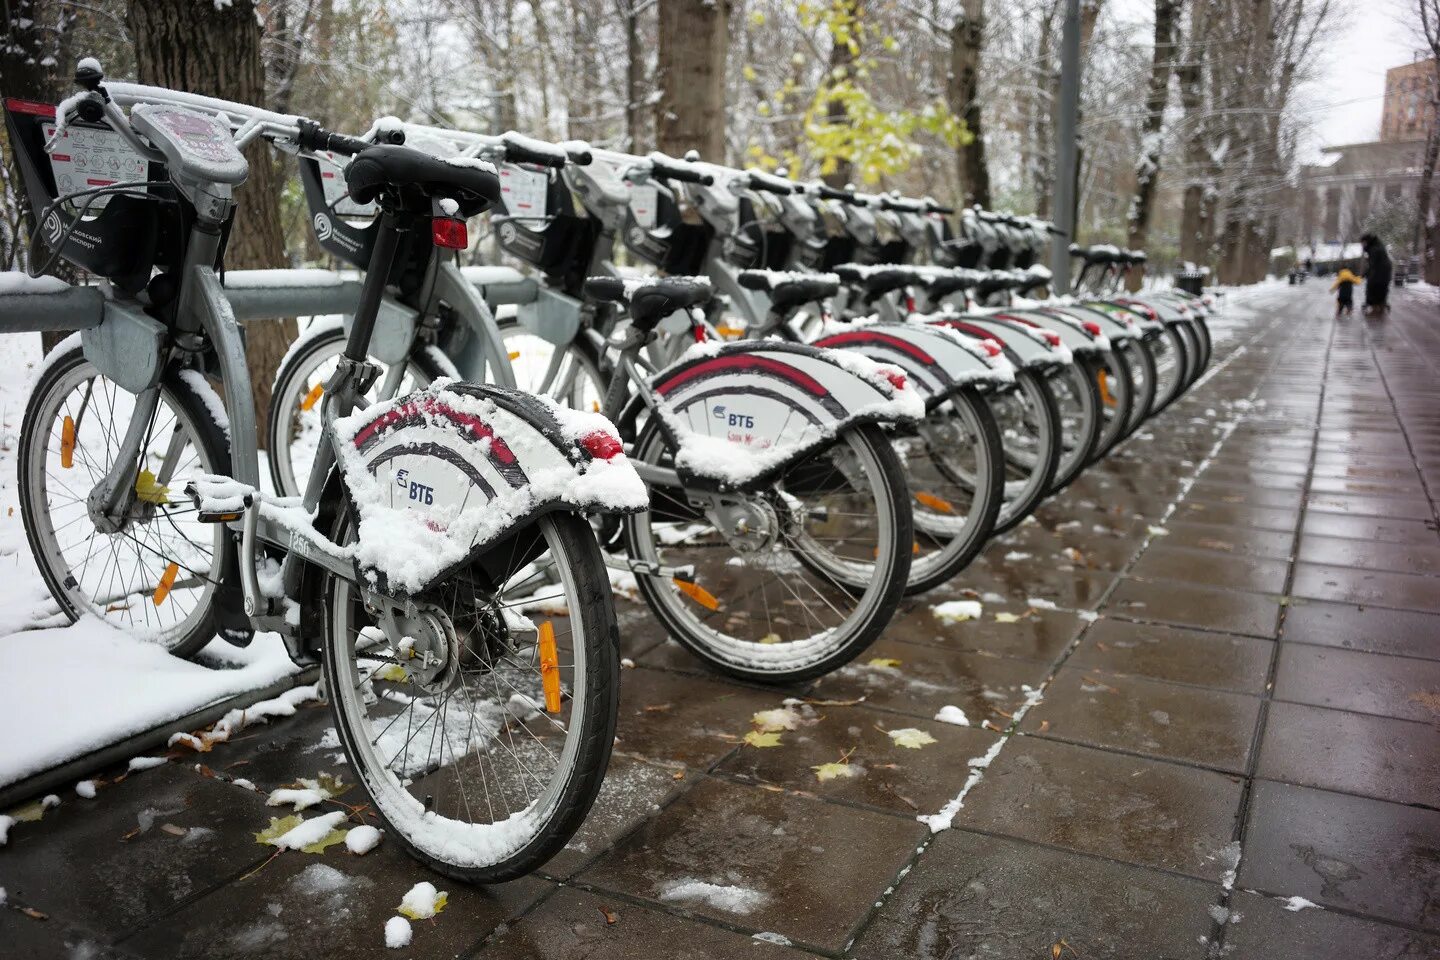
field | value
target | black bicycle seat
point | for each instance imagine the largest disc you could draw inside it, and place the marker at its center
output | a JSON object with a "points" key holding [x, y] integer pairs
{"points": [[788, 289], [652, 301], [875, 280], [414, 175], [941, 284]]}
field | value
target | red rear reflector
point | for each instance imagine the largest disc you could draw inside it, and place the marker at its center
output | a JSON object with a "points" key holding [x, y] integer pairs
{"points": [[601, 445], [1091, 327], [450, 234], [896, 378], [992, 347], [1051, 337], [32, 107]]}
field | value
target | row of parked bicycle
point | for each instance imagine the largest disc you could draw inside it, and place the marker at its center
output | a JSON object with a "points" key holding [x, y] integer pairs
{"points": [[811, 403]]}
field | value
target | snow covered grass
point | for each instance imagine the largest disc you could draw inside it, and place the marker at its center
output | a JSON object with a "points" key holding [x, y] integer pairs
{"points": [[125, 685]]}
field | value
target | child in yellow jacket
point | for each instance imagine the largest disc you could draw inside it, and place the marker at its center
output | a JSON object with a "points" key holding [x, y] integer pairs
{"points": [[1345, 283]]}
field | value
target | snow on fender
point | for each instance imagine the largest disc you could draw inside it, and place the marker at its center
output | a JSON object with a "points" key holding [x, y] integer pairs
{"points": [[936, 361], [439, 475], [740, 413]]}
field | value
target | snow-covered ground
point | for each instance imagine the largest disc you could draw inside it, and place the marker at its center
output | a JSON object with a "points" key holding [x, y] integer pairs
{"points": [[71, 690]]}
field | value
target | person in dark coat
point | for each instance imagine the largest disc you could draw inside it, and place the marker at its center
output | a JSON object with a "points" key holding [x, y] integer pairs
{"points": [[1378, 274]]}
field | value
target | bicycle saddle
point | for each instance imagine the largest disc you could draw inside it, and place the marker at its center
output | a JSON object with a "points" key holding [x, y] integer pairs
{"points": [[652, 300], [875, 280], [790, 289], [942, 282], [416, 176]]}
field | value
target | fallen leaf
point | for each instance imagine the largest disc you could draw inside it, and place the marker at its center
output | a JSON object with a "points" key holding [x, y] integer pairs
{"points": [[1428, 699], [441, 898], [678, 775], [911, 738], [28, 813], [610, 915], [329, 840], [392, 672], [757, 739], [1003, 617], [658, 707], [833, 771], [1209, 544], [771, 638], [173, 830], [1044, 725], [34, 914], [279, 826], [883, 663], [781, 718]]}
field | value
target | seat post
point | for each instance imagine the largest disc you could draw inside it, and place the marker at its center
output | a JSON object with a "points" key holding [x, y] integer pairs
{"points": [[377, 277]]}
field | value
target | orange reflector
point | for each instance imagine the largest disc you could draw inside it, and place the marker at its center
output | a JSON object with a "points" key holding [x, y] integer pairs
{"points": [[514, 354], [1105, 396], [915, 549], [728, 331], [549, 667], [698, 593], [595, 405], [312, 397], [67, 444], [167, 580], [934, 502]]}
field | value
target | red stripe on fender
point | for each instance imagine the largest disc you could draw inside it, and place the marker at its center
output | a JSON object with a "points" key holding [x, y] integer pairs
{"points": [[746, 362], [969, 328], [407, 411], [859, 336], [1015, 319]]}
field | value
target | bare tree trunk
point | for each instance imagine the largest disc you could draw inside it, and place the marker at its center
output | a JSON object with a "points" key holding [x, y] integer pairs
{"points": [[963, 89], [1042, 178], [634, 73], [1429, 221], [35, 64], [200, 48], [1147, 170], [694, 39]]}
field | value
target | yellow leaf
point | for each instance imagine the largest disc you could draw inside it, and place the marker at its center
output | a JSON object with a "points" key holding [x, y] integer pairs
{"points": [[831, 771], [392, 672], [883, 663], [757, 739], [330, 839], [911, 738], [441, 898], [279, 826], [1006, 617], [29, 813], [770, 638], [772, 721]]}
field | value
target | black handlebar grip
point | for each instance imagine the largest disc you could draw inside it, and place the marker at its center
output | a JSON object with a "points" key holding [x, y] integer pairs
{"points": [[667, 169], [758, 181], [940, 209], [515, 153], [581, 158], [312, 136]]}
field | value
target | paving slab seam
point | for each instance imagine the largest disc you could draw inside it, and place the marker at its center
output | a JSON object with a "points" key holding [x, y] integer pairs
{"points": [[1344, 912], [1037, 695], [1405, 432], [1220, 927]]}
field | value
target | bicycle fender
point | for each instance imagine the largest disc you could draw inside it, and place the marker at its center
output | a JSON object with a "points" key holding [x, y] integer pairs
{"points": [[1072, 334], [937, 361], [739, 414], [1024, 345], [440, 475]]}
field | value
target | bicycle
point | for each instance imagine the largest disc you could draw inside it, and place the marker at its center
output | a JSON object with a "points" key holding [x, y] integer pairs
{"points": [[480, 735]]}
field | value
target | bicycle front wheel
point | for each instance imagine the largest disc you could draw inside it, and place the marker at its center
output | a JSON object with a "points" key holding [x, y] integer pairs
{"points": [[483, 757], [151, 571]]}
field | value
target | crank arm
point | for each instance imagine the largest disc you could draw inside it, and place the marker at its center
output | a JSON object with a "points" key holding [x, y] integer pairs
{"points": [[644, 568]]}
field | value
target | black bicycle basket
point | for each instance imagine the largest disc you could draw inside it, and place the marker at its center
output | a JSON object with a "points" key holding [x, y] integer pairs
{"points": [[554, 240], [124, 236]]}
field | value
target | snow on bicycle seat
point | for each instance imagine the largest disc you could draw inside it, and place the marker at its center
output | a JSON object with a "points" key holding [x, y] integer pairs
{"points": [[943, 281], [788, 289], [473, 184], [877, 279], [651, 299]]}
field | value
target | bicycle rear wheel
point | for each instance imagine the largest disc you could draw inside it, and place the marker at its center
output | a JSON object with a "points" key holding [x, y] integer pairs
{"points": [[1077, 398], [1030, 433], [483, 761], [153, 573], [788, 583]]}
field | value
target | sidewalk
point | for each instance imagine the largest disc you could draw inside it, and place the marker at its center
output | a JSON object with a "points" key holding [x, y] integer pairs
{"points": [[1203, 705]]}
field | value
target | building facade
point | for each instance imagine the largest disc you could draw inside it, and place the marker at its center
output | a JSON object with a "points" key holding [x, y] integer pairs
{"points": [[1410, 93]]}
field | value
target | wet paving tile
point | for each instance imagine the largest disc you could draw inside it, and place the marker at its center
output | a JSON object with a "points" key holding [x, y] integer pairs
{"points": [[1233, 541], [578, 925], [1228, 611], [918, 680], [689, 721], [1140, 811], [1380, 488], [274, 754], [1211, 568], [1371, 555], [1247, 478], [1210, 728], [1388, 686], [1352, 752], [303, 906], [1226, 463], [1367, 856], [1027, 575], [1210, 491], [1371, 528], [1266, 930], [34, 938], [1370, 506], [633, 792], [1375, 629], [1037, 635], [879, 772], [200, 849], [1174, 654], [773, 846], [979, 896], [1224, 514], [1349, 585]]}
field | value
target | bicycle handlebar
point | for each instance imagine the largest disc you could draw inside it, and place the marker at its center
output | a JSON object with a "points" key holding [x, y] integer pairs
{"points": [[759, 180], [669, 168], [311, 136], [831, 193]]}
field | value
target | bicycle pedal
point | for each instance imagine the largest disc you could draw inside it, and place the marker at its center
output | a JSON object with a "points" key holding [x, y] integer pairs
{"points": [[220, 499]]}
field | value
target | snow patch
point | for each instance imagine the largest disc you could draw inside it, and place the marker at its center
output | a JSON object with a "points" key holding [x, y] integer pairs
{"points": [[1296, 904], [397, 933], [953, 714], [957, 611], [731, 899], [361, 840]]}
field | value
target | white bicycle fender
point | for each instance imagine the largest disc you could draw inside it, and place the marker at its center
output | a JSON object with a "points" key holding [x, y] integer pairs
{"points": [[1025, 346], [442, 473], [740, 413], [936, 361]]}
